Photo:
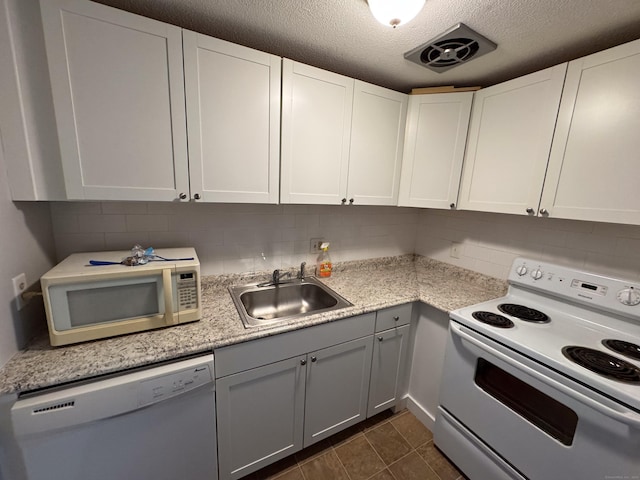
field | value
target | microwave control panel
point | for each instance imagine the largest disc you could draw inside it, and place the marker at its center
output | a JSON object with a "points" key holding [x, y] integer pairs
{"points": [[187, 291]]}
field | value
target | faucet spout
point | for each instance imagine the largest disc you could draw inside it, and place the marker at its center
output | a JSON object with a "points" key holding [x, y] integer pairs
{"points": [[277, 276], [301, 273]]}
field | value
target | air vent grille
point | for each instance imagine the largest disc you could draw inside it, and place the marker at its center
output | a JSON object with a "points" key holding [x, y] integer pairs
{"points": [[457, 45], [56, 406]]}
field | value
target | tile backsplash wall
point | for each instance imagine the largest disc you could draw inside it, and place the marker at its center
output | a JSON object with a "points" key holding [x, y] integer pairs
{"points": [[235, 238], [490, 242]]}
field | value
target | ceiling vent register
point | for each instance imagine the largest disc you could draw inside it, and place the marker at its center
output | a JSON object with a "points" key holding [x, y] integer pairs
{"points": [[456, 46]]}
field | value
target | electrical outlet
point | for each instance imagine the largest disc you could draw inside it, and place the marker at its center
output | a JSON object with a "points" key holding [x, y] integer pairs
{"points": [[456, 250], [314, 244], [19, 287]]}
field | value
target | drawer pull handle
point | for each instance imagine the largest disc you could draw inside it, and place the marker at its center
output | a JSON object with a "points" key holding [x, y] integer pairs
{"points": [[303, 362], [396, 318], [313, 359], [380, 339]]}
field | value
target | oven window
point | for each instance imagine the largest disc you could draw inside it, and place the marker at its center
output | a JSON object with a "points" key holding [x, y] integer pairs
{"points": [[548, 414]]}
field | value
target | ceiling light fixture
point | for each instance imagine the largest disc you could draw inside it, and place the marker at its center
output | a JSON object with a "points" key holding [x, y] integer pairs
{"points": [[395, 12]]}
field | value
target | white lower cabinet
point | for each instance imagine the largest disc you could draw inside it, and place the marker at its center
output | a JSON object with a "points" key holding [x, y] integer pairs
{"points": [[260, 416], [387, 368], [337, 388], [388, 364], [280, 394]]}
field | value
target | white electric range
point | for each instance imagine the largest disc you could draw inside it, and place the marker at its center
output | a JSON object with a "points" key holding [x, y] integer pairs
{"points": [[545, 381]]}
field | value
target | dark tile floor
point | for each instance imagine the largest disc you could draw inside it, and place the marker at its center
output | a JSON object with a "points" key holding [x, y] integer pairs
{"points": [[385, 447]]}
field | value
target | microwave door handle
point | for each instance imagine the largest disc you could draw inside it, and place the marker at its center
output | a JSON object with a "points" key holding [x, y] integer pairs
{"points": [[624, 416], [167, 288]]}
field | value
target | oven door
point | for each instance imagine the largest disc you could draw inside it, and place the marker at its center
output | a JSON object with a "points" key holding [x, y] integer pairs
{"points": [[537, 421]]}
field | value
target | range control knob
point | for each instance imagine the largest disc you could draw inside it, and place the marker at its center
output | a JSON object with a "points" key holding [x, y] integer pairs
{"points": [[522, 270], [629, 296], [537, 274]]}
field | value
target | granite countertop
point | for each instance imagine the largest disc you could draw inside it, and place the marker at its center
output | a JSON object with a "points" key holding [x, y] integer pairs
{"points": [[369, 285]]}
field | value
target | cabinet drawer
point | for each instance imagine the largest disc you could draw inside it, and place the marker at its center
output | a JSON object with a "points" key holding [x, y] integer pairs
{"points": [[243, 356], [393, 317]]}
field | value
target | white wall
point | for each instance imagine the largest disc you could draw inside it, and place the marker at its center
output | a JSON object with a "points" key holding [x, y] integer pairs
{"points": [[490, 242], [26, 246], [232, 238]]}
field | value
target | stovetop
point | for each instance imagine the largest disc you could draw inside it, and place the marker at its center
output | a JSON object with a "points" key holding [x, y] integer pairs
{"points": [[579, 309]]}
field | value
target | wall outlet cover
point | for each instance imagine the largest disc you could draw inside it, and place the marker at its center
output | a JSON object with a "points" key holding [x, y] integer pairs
{"points": [[19, 287], [314, 244]]}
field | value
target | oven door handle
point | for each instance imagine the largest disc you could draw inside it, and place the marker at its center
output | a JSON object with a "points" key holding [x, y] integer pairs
{"points": [[625, 416]]}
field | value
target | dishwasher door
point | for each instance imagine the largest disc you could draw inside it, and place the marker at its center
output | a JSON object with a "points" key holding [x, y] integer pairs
{"points": [[157, 424]]}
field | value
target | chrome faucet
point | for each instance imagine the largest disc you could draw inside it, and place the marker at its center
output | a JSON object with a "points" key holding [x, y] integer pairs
{"points": [[277, 276], [301, 272]]}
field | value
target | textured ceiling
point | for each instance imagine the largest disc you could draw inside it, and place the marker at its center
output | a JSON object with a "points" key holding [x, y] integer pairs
{"points": [[342, 36]]}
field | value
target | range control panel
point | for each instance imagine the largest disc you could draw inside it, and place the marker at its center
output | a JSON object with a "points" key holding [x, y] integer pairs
{"points": [[608, 293]]}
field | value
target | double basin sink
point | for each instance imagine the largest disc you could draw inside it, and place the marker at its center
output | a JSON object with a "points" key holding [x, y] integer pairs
{"points": [[290, 299]]}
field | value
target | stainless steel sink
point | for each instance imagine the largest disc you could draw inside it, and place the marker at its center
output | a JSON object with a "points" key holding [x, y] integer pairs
{"points": [[264, 305]]}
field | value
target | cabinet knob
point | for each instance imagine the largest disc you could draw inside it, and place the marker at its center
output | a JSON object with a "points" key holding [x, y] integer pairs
{"points": [[396, 318], [313, 359], [453, 206], [351, 201], [183, 196], [380, 339], [303, 362], [196, 196], [543, 211], [530, 211], [344, 200]]}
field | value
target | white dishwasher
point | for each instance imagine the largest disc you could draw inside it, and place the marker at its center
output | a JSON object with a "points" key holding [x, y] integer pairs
{"points": [[157, 423]]}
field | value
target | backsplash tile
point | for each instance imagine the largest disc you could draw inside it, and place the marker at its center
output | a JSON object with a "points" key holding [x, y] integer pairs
{"points": [[241, 238], [490, 242], [236, 238]]}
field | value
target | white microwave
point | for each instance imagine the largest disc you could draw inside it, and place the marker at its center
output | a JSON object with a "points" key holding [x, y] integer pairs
{"points": [[86, 302]]}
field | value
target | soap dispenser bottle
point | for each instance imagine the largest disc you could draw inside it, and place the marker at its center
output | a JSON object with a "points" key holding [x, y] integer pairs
{"points": [[324, 265]]}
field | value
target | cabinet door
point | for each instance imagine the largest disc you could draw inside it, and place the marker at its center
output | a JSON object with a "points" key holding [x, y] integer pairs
{"points": [[260, 416], [509, 143], [337, 388], [387, 369], [233, 118], [118, 94], [377, 138], [593, 170], [436, 136], [316, 132]]}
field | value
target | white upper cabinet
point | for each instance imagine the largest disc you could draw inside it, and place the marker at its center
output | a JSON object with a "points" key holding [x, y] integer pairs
{"points": [[118, 93], [341, 139], [233, 119], [436, 136], [594, 169], [377, 138], [316, 133], [509, 142]]}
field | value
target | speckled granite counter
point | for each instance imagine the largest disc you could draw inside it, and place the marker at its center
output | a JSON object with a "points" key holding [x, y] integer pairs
{"points": [[369, 285]]}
